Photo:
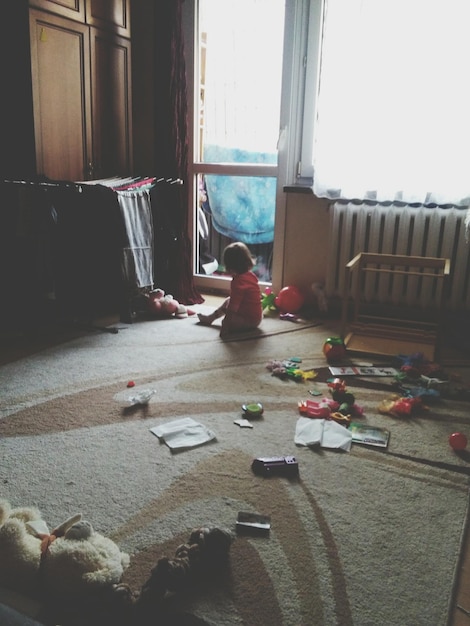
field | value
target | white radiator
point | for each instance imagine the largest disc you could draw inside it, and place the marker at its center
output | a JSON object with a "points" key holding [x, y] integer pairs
{"points": [[403, 230]]}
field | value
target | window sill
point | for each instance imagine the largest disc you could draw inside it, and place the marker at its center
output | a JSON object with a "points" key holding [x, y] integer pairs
{"points": [[298, 189]]}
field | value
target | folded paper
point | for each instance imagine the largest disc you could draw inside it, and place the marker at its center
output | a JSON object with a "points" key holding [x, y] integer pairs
{"points": [[322, 432], [183, 433]]}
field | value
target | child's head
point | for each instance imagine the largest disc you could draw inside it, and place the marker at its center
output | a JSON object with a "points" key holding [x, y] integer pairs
{"points": [[237, 258]]}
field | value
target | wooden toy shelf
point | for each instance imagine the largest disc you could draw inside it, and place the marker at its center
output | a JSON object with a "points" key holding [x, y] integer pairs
{"points": [[389, 329]]}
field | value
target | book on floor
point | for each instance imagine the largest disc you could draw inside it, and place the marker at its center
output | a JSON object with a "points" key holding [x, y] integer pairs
{"points": [[369, 435]]}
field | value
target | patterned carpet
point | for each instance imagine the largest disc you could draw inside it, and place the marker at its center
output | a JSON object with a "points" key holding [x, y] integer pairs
{"points": [[363, 537]]}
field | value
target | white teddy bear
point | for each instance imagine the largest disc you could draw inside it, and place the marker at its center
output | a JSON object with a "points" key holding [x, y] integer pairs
{"points": [[70, 560]]}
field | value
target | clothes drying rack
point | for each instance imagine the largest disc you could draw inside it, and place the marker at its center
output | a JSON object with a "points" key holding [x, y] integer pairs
{"points": [[134, 202]]}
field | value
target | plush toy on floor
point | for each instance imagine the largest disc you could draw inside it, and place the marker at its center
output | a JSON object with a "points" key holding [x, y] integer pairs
{"points": [[70, 561], [161, 305], [203, 558], [205, 554]]}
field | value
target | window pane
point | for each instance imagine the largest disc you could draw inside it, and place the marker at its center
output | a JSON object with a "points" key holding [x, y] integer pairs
{"points": [[226, 214], [240, 73], [242, 206]]}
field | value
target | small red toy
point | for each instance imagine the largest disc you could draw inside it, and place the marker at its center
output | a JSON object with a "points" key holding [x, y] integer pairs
{"points": [[334, 349], [458, 441]]}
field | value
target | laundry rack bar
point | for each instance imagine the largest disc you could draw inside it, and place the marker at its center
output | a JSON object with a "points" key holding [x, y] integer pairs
{"points": [[67, 184], [72, 249]]}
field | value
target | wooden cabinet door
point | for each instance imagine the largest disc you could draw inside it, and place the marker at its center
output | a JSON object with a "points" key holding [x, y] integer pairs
{"points": [[111, 15], [111, 104], [73, 9], [60, 62]]}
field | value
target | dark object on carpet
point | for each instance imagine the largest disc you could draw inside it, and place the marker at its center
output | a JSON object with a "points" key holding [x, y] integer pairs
{"points": [[204, 557], [205, 554]]}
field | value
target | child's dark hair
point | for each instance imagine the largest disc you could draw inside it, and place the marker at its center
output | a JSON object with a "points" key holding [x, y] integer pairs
{"points": [[237, 258]]}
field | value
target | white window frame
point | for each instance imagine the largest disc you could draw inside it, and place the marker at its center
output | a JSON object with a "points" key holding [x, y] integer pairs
{"points": [[302, 46], [300, 78]]}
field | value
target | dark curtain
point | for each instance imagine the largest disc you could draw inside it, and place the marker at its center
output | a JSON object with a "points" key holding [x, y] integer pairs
{"points": [[173, 254]]}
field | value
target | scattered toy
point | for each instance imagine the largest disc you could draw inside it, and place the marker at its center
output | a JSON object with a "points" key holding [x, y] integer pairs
{"points": [[205, 554], [268, 301], [289, 317], [289, 300], [458, 441], [399, 406], [161, 305], [345, 399], [417, 370], [334, 349], [67, 562], [324, 409], [276, 466], [321, 408], [427, 395], [290, 369], [254, 409]]}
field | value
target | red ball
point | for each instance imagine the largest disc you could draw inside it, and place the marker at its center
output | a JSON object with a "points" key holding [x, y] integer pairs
{"points": [[458, 441], [289, 299], [334, 349]]}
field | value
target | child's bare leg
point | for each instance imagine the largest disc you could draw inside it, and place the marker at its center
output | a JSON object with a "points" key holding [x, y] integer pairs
{"points": [[207, 320]]}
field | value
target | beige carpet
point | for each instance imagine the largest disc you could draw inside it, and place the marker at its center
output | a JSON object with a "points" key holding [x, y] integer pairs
{"points": [[366, 537]]}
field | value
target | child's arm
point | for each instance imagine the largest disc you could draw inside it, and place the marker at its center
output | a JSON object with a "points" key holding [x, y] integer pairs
{"points": [[236, 296]]}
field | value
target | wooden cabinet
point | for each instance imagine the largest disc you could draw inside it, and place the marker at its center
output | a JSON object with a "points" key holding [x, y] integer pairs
{"points": [[111, 15], [81, 80], [60, 63], [111, 104], [73, 9]]}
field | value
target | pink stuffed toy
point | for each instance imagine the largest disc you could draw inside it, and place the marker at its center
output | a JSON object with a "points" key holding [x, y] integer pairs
{"points": [[162, 305]]}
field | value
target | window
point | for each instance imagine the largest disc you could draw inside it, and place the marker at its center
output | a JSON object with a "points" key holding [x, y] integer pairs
{"points": [[237, 104], [345, 80], [391, 118]]}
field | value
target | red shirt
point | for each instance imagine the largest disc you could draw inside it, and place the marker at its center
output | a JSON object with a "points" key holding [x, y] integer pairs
{"points": [[245, 297]]}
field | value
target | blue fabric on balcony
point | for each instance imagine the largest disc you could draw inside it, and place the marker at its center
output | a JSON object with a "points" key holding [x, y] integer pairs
{"points": [[242, 207]]}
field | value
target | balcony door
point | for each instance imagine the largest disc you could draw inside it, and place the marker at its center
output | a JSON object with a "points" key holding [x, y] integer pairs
{"points": [[238, 55]]}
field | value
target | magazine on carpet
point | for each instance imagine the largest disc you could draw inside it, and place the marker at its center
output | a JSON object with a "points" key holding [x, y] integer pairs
{"points": [[369, 435]]}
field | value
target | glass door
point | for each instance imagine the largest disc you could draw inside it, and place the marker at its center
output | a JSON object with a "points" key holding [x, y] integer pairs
{"points": [[238, 53]]}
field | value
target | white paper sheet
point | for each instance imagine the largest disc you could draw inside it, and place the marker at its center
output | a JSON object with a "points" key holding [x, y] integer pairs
{"points": [[183, 433], [326, 433]]}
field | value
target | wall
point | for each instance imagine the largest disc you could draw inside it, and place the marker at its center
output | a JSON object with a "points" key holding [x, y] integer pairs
{"points": [[306, 241]]}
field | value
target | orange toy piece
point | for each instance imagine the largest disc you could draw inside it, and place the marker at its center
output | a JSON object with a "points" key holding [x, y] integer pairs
{"points": [[398, 406]]}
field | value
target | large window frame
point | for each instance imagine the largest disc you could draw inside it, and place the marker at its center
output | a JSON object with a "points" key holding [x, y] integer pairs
{"points": [[300, 76]]}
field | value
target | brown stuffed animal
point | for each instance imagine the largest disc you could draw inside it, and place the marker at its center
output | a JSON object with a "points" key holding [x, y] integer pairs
{"points": [[206, 552], [204, 555]]}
